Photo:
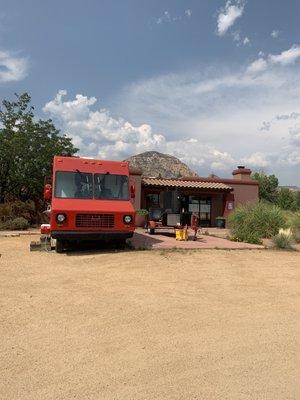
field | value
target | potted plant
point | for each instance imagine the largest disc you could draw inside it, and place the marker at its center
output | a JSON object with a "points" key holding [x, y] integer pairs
{"points": [[141, 217], [220, 222]]}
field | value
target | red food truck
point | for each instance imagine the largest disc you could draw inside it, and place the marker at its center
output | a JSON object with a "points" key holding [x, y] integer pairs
{"points": [[90, 200]]}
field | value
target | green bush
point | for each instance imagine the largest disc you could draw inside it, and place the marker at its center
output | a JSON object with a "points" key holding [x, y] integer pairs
{"points": [[17, 224], [252, 222], [283, 241], [142, 212], [295, 225]]}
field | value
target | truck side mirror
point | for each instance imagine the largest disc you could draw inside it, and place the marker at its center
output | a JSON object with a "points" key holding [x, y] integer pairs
{"points": [[132, 191], [47, 192]]}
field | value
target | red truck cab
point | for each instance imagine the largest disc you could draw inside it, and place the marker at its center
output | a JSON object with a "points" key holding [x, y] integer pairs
{"points": [[90, 200]]}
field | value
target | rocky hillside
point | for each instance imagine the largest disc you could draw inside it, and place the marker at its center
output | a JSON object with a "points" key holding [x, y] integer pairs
{"points": [[154, 164]]}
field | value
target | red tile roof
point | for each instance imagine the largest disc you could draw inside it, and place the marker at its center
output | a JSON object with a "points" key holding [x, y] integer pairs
{"points": [[189, 184]]}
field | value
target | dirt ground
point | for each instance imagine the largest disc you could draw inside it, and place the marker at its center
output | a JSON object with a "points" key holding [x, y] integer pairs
{"points": [[204, 324]]}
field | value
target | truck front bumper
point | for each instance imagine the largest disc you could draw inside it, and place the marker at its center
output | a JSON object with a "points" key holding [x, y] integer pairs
{"points": [[83, 235]]}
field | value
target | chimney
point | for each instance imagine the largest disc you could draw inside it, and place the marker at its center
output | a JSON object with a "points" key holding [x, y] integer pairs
{"points": [[242, 173]]}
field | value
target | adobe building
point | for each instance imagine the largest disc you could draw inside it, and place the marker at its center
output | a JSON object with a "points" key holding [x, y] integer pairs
{"points": [[208, 197]]}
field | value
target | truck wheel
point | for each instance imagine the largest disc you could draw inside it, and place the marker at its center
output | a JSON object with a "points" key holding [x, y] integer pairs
{"points": [[151, 231], [59, 246]]}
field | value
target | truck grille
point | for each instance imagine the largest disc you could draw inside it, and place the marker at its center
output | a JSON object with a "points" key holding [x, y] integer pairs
{"points": [[95, 220]]}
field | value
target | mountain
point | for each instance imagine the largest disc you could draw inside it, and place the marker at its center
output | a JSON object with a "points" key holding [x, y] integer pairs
{"points": [[291, 188], [155, 164]]}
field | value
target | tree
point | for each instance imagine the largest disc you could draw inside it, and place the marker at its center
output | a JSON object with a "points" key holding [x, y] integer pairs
{"points": [[268, 185], [286, 199], [27, 147], [297, 200]]}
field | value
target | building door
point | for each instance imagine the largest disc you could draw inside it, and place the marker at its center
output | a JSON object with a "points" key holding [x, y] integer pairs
{"points": [[201, 206]]}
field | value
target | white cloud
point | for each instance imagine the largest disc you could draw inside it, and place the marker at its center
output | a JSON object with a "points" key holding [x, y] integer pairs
{"points": [[12, 68], [219, 108], [96, 132], [286, 57], [295, 135], [256, 160], [199, 156], [228, 15], [239, 40], [167, 17], [275, 34], [208, 118], [164, 18], [258, 65], [246, 41]]}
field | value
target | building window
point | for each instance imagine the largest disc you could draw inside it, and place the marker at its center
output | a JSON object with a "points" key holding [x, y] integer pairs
{"points": [[201, 206]]}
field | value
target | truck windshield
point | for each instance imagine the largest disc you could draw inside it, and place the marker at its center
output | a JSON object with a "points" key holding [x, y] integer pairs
{"points": [[111, 187], [82, 185], [74, 185]]}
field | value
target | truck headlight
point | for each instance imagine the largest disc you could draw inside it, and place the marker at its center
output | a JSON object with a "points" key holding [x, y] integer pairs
{"points": [[60, 218], [127, 219]]}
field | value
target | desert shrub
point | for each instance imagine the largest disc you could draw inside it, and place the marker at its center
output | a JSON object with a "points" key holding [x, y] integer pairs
{"points": [[252, 222], [283, 241], [17, 224], [16, 209], [295, 226]]}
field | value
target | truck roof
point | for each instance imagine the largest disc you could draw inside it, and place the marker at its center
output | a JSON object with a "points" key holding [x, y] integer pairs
{"points": [[91, 165]]}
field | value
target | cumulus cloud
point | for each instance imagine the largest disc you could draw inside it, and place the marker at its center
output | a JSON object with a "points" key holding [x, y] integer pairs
{"points": [[97, 132], [219, 107], [228, 15], [199, 156], [257, 160], [258, 65], [12, 68], [207, 118], [188, 13], [285, 58]]}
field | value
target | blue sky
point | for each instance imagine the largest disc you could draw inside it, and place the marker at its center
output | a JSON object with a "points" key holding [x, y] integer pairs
{"points": [[216, 83]]}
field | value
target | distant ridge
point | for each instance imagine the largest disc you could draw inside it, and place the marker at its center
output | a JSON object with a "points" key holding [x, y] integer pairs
{"points": [[155, 164], [291, 188]]}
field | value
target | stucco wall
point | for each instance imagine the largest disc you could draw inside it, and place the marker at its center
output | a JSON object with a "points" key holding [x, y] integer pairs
{"points": [[244, 193], [136, 180]]}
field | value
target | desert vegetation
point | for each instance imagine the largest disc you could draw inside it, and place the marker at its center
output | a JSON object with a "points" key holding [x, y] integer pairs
{"points": [[254, 222]]}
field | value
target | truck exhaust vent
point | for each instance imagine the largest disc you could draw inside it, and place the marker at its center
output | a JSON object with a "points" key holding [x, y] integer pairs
{"points": [[95, 220]]}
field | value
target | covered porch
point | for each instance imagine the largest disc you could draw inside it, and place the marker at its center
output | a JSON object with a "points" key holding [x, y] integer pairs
{"points": [[208, 200]]}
